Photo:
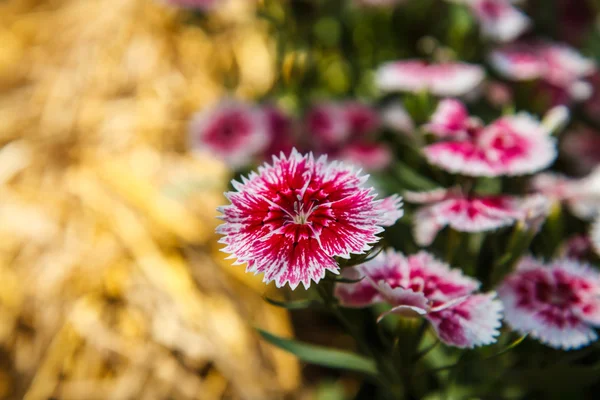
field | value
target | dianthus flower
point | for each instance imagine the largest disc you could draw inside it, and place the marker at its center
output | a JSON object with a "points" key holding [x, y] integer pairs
{"points": [[463, 213], [511, 145], [290, 219], [558, 65], [581, 195], [498, 19], [559, 303], [420, 285], [576, 247], [232, 131], [447, 79]]}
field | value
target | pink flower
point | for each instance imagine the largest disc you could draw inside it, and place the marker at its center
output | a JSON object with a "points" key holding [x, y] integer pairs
{"points": [[421, 285], [448, 79], [391, 208], [327, 124], [559, 304], [362, 119], [232, 131], [462, 213], [511, 145], [582, 195], [582, 146], [290, 219], [558, 65], [499, 19], [371, 156], [595, 235], [280, 131]]}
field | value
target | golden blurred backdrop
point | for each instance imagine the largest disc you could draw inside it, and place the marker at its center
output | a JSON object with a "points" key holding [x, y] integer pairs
{"points": [[111, 283]]}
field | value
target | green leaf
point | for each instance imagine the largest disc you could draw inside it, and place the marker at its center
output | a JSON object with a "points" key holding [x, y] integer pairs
{"points": [[411, 179], [322, 355], [291, 305], [347, 280]]}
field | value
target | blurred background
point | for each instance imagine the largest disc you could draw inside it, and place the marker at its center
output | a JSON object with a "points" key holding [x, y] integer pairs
{"points": [[111, 284]]}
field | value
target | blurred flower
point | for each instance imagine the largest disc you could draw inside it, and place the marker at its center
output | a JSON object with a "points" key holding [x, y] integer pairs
{"points": [[556, 119], [498, 19], [498, 94], [577, 247], [280, 131], [595, 235], [362, 119], [232, 131], [582, 195], [291, 218], [371, 156], [327, 124], [391, 208], [557, 65], [396, 118], [463, 213], [535, 209], [445, 79], [511, 145], [582, 147], [420, 285], [559, 304]]}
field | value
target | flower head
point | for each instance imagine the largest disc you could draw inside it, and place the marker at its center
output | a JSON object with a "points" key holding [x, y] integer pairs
{"points": [[577, 247], [461, 212], [232, 131], [511, 145], [289, 219], [421, 285], [558, 65], [498, 19], [559, 304], [582, 195], [370, 156], [327, 124], [449, 79]]}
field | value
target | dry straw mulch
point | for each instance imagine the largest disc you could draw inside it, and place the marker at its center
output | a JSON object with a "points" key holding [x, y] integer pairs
{"points": [[111, 284]]}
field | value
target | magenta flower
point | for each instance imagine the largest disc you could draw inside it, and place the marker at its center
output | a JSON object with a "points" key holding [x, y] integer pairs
{"points": [[371, 156], [559, 304], [328, 125], [449, 79], [290, 219], [232, 131], [576, 247], [511, 145], [362, 119], [582, 195], [420, 285], [558, 65], [498, 19], [461, 212], [280, 131]]}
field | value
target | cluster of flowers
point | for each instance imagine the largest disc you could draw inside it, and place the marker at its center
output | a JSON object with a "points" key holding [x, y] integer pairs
{"points": [[294, 218]]}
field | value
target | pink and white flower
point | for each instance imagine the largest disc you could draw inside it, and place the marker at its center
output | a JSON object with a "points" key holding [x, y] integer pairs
{"points": [[498, 19], [559, 303], [290, 219], [396, 118], [576, 247], [391, 208], [368, 155], [556, 64], [445, 79], [450, 207], [420, 285], [511, 145], [582, 195], [232, 131], [595, 235]]}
